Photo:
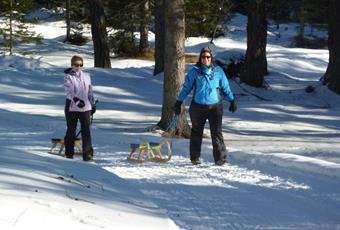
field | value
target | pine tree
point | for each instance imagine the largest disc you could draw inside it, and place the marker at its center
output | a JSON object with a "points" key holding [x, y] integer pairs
{"points": [[125, 18], [203, 16], [75, 17], [222, 13], [15, 30], [278, 10]]}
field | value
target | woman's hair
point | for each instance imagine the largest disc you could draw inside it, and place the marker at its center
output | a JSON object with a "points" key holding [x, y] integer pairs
{"points": [[76, 58], [205, 50]]}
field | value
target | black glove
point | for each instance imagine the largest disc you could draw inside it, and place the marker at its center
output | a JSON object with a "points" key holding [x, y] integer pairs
{"points": [[79, 103], [233, 106], [177, 107], [94, 109]]}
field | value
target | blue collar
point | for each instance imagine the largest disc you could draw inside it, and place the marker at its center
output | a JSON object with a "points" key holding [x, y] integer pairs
{"points": [[207, 70]]}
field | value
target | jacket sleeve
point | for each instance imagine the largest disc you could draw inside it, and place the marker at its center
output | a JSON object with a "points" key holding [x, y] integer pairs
{"points": [[90, 95], [69, 89], [187, 86], [225, 86]]}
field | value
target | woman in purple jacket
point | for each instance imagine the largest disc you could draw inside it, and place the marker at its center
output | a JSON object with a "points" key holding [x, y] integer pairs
{"points": [[80, 104]]}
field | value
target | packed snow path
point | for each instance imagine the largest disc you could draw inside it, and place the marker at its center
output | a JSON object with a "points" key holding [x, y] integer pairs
{"points": [[239, 195]]}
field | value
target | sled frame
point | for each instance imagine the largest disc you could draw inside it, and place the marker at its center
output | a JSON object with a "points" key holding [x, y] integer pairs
{"points": [[148, 151], [60, 141]]}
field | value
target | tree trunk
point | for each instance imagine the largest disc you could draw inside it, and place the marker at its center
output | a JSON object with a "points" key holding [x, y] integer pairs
{"points": [[68, 21], [159, 37], [301, 35], [332, 75], [255, 67], [11, 28], [144, 27], [99, 34], [174, 64]]}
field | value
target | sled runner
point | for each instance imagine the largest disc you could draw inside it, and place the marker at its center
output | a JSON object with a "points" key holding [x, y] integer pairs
{"points": [[60, 141], [146, 152]]}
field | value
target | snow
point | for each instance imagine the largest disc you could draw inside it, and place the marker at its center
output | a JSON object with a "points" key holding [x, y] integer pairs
{"points": [[41, 191], [283, 170]]}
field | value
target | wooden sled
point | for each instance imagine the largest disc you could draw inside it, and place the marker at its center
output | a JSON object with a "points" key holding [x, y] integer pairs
{"points": [[60, 141], [146, 152]]}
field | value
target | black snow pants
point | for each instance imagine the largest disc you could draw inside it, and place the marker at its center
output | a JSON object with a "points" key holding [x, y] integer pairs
{"points": [[85, 122], [198, 115]]}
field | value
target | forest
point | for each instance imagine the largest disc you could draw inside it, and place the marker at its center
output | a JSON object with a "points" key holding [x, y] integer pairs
{"points": [[120, 28]]}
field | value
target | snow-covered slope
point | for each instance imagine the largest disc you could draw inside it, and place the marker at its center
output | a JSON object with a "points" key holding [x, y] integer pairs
{"points": [[283, 170], [40, 191]]}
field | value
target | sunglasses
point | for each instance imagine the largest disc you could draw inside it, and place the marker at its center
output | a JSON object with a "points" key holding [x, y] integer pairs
{"points": [[207, 57], [78, 65]]}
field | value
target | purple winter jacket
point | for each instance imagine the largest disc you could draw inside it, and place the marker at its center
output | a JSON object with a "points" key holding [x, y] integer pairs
{"points": [[78, 84]]}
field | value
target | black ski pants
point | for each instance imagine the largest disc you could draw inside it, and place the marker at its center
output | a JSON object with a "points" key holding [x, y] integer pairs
{"points": [[198, 115], [85, 122]]}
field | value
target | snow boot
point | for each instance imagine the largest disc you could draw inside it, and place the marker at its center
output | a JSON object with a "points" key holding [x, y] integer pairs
{"points": [[195, 162], [220, 162]]}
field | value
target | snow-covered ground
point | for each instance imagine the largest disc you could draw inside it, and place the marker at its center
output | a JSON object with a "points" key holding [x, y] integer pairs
{"points": [[284, 151]]}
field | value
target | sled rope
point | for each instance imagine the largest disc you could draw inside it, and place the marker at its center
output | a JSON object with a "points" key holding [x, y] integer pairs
{"points": [[172, 123]]}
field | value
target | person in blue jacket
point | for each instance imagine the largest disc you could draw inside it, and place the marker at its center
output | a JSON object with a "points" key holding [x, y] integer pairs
{"points": [[209, 85]]}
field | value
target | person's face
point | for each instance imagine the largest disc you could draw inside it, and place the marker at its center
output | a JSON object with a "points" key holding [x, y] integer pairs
{"points": [[77, 66], [206, 58]]}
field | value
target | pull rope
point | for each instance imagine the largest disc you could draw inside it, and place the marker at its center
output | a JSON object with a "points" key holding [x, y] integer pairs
{"points": [[172, 123]]}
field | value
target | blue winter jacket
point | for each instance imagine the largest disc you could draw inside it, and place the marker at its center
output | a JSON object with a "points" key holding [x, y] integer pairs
{"points": [[209, 85]]}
